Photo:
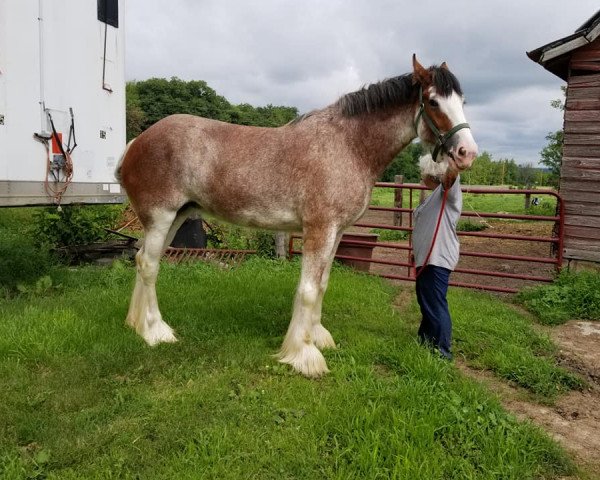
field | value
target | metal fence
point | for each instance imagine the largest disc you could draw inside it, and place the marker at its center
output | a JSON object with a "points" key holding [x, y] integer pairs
{"points": [[491, 260]]}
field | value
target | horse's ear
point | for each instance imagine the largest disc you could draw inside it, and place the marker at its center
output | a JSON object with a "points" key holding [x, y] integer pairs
{"points": [[420, 73], [444, 65]]}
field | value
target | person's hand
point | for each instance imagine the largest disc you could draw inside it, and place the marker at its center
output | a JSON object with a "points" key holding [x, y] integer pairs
{"points": [[430, 181], [452, 172]]}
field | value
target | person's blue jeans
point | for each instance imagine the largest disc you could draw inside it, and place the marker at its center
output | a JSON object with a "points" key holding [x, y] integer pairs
{"points": [[436, 324]]}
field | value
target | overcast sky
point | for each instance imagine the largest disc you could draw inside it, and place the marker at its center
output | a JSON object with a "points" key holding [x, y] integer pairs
{"points": [[306, 53]]}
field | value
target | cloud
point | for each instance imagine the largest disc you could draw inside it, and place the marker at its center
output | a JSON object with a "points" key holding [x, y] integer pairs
{"points": [[306, 54]]}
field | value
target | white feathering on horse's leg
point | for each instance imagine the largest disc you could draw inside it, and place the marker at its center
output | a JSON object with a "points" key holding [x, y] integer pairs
{"points": [[144, 314], [298, 349], [306, 358], [322, 337]]}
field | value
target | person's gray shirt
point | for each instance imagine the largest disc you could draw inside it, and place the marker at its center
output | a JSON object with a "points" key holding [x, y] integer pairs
{"points": [[446, 249]]}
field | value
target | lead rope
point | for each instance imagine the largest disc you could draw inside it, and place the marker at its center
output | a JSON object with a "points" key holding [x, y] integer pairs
{"points": [[435, 233]]}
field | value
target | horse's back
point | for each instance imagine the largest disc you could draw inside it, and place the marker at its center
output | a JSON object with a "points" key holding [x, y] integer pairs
{"points": [[257, 176]]}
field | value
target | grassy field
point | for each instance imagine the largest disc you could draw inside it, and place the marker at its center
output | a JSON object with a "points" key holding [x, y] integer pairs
{"points": [[83, 397], [505, 203]]}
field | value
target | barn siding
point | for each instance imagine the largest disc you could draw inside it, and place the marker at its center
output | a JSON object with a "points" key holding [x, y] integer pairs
{"points": [[580, 171]]}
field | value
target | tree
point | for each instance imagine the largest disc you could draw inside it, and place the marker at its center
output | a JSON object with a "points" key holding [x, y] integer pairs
{"points": [[551, 154], [150, 100], [134, 114], [527, 175], [406, 163]]}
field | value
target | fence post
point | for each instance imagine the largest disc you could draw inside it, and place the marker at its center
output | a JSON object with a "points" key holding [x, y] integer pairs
{"points": [[398, 200], [527, 197], [281, 241], [421, 193]]}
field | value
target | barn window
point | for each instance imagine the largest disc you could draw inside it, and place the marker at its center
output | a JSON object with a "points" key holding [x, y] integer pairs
{"points": [[108, 12]]}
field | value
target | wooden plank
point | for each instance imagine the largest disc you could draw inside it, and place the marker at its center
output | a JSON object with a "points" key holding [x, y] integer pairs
{"points": [[583, 243], [564, 48], [581, 175], [585, 66], [577, 231], [587, 103], [589, 151], [591, 209], [589, 55], [579, 195], [582, 116], [581, 127], [582, 138], [580, 239], [584, 80], [581, 162], [584, 92], [579, 191], [585, 255], [583, 221], [590, 47]]}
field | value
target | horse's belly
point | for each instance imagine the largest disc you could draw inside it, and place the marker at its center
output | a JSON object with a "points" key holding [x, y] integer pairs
{"points": [[276, 219]]}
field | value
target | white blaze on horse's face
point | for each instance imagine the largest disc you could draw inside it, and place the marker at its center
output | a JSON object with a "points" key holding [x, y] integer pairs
{"points": [[462, 146]]}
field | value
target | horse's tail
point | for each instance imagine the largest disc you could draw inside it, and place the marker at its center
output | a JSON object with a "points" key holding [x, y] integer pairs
{"points": [[118, 169]]}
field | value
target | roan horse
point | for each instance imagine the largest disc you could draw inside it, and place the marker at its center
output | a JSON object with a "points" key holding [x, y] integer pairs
{"points": [[314, 174]]}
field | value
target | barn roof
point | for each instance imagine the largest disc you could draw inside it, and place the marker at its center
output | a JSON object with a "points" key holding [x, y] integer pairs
{"points": [[555, 55]]}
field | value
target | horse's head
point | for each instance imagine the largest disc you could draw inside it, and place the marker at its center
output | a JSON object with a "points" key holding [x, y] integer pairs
{"points": [[439, 118]]}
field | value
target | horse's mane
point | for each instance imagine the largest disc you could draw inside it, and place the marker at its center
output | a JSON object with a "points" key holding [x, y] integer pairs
{"points": [[394, 92]]}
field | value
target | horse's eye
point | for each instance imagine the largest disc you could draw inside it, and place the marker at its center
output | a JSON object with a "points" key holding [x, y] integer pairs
{"points": [[433, 103]]}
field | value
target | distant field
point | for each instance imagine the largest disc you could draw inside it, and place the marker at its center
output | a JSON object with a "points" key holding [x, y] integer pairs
{"points": [[489, 203]]}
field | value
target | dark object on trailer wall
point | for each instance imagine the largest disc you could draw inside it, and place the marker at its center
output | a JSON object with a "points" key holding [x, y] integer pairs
{"points": [[108, 12]]}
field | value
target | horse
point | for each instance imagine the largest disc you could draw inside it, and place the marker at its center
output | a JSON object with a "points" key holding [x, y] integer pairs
{"points": [[314, 175]]}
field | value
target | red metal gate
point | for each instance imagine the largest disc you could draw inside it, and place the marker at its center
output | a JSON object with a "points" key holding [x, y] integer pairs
{"points": [[495, 261]]}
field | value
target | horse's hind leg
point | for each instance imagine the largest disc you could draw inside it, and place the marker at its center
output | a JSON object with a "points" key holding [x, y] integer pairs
{"points": [[144, 315], [299, 349]]}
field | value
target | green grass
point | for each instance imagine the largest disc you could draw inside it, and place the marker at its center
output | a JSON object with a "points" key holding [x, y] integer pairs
{"points": [[21, 261], [83, 397], [386, 235], [572, 295], [494, 336], [480, 202]]}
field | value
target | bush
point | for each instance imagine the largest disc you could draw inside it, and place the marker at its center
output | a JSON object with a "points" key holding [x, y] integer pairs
{"points": [[469, 226], [74, 224], [572, 295], [390, 235], [21, 261]]}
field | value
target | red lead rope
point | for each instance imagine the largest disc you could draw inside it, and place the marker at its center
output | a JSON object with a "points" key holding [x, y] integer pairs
{"points": [[437, 229]]}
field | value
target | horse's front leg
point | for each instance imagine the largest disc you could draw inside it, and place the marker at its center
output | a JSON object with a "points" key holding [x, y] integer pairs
{"points": [[299, 348], [321, 335]]}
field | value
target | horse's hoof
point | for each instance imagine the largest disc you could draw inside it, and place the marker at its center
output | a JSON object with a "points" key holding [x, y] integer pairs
{"points": [[309, 361], [159, 332]]}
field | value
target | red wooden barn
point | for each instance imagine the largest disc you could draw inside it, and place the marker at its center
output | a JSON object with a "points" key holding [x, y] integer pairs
{"points": [[576, 59]]}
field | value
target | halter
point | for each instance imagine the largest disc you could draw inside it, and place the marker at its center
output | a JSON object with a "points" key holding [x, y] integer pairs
{"points": [[440, 139]]}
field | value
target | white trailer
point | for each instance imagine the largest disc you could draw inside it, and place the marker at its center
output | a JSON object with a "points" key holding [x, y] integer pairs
{"points": [[62, 101]]}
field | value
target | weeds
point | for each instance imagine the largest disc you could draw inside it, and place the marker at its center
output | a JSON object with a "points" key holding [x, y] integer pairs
{"points": [[572, 295]]}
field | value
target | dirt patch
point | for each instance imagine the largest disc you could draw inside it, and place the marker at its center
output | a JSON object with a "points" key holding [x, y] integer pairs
{"points": [[574, 420]]}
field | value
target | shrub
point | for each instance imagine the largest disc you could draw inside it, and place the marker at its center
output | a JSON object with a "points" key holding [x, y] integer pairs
{"points": [[21, 261], [74, 224], [390, 235], [572, 295], [469, 226]]}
